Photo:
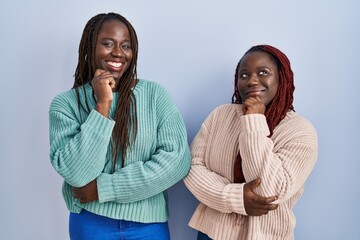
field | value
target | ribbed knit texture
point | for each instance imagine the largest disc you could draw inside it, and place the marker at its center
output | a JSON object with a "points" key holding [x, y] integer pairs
{"points": [[80, 151], [282, 162]]}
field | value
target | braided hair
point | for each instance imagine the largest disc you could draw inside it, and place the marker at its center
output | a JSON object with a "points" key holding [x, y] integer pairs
{"points": [[276, 110], [125, 115], [282, 102]]}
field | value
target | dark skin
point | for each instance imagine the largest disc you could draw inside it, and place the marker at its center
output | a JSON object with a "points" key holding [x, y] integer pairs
{"points": [[112, 58], [104, 82], [256, 205], [258, 83], [86, 194]]}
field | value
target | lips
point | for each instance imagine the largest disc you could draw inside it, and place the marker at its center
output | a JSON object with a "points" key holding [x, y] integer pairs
{"points": [[114, 64], [254, 92]]}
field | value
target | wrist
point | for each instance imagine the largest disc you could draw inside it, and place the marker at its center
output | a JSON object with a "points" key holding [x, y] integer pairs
{"points": [[103, 108]]}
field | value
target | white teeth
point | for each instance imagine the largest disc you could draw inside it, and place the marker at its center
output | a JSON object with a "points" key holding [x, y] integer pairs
{"points": [[115, 64]]}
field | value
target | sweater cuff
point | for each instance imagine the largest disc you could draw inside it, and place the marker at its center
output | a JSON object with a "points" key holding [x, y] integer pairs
{"points": [[254, 122], [235, 198], [105, 188], [100, 124]]}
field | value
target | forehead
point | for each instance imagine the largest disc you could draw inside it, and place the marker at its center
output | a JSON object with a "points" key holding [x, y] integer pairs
{"points": [[113, 27], [257, 59]]}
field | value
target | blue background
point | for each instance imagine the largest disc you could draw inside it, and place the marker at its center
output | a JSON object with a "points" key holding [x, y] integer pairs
{"points": [[191, 48]]}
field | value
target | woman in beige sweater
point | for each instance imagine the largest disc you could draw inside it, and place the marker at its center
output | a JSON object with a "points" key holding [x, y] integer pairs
{"points": [[251, 158]]}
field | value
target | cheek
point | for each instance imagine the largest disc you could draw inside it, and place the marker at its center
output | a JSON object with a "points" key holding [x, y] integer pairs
{"points": [[241, 87], [273, 83], [98, 62], [98, 55], [129, 55], [274, 89], [276, 86]]}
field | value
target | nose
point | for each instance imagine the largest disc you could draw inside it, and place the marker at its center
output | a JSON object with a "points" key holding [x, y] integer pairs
{"points": [[117, 52], [253, 80]]}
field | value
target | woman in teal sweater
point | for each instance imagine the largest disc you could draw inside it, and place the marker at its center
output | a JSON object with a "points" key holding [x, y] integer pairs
{"points": [[118, 142]]}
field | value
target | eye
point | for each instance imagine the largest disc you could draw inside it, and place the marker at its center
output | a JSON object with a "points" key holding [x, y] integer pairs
{"points": [[126, 46], [263, 73], [243, 75], [108, 44]]}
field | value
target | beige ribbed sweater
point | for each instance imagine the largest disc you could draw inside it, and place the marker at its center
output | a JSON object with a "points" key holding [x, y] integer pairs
{"points": [[282, 162]]}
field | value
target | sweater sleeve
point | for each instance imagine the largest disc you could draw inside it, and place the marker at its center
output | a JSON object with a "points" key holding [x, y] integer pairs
{"points": [[210, 188], [284, 167], [169, 164], [77, 151]]}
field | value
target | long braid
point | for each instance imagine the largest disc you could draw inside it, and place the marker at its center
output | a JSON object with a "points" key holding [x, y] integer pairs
{"points": [[126, 118], [284, 98], [276, 109], [84, 71], [125, 115]]}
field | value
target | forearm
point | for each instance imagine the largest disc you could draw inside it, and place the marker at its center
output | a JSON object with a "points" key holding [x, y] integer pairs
{"points": [[139, 181], [215, 191], [209, 187], [148, 177], [283, 168], [78, 155]]}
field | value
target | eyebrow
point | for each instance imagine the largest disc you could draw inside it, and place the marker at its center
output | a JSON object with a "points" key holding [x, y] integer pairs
{"points": [[264, 67], [256, 67], [112, 39]]}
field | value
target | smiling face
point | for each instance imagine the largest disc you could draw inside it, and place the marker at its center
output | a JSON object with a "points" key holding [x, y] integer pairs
{"points": [[113, 51], [258, 76]]}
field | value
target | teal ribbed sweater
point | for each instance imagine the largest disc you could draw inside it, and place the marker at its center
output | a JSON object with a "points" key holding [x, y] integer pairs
{"points": [[80, 151]]}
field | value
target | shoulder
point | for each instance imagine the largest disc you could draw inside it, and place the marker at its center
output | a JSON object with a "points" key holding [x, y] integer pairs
{"points": [[156, 97], [63, 100], [297, 125], [223, 114], [228, 107], [153, 91], [298, 120], [150, 86], [226, 110], [71, 97]]}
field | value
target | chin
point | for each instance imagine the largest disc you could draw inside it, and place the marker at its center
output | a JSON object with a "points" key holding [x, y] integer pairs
{"points": [[117, 76]]}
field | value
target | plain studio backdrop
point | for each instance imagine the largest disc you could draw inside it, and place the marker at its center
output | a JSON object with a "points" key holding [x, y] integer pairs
{"points": [[191, 48]]}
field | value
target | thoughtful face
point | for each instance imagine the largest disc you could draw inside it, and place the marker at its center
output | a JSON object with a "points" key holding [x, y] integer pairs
{"points": [[258, 76], [113, 48]]}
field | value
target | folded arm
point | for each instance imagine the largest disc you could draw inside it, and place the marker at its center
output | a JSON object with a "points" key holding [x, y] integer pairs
{"points": [[78, 151], [284, 167]]}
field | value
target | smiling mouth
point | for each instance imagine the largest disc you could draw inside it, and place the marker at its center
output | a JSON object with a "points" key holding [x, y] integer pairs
{"points": [[114, 64]]}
